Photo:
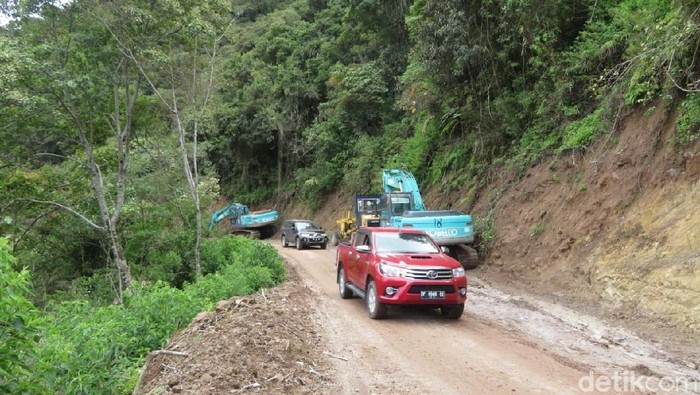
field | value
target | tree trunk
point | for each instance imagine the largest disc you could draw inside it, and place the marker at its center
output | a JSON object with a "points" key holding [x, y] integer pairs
{"points": [[123, 269], [109, 221], [192, 180], [280, 159]]}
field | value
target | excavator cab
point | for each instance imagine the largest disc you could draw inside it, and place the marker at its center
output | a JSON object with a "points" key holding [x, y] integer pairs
{"points": [[393, 206]]}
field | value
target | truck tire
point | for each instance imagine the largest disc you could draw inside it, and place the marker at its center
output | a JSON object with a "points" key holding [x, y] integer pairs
{"points": [[377, 310], [323, 246], [335, 238], [300, 245], [284, 241], [453, 311], [343, 290]]}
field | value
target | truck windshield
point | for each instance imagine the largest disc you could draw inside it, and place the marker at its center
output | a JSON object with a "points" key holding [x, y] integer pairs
{"points": [[410, 243]]}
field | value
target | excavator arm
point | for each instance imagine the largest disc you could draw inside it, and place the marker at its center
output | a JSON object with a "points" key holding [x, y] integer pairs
{"points": [[399, 180]]}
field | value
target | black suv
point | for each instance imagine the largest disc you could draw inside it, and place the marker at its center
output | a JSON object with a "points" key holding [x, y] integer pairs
{"points": [[303, 233]]}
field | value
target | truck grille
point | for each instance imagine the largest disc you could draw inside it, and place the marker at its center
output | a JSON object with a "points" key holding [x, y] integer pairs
{"points": [[429, 274], [416, 289]]}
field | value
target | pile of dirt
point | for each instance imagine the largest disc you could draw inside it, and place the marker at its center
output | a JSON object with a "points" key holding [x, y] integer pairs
{"points": [[265, 342]]}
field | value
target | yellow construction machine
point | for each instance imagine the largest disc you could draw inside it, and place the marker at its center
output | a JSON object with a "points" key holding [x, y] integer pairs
{"points": [[366, 214]]}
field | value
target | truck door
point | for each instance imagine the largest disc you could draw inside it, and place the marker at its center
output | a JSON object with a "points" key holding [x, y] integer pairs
{"points": [[363, 261], [356, 259]]}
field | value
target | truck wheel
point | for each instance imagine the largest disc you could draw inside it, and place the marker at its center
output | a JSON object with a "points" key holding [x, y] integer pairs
{"points": [[284, 241], [377, 310], [300, 245], [335, 238], [345, 292], [323, 246], [453, 311]]}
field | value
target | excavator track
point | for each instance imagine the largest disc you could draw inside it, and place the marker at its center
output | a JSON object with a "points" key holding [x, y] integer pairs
{"points": [[249, 233], [466, 255]]}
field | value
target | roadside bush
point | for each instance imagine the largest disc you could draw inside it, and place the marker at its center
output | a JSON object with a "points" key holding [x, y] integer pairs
{"points": [[19, 328], [101, 350], [581, 132], [689, 120]]}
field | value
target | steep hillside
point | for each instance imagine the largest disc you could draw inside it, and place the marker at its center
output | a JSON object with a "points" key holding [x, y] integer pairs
{"points": [[615, 227], [613, 231]]}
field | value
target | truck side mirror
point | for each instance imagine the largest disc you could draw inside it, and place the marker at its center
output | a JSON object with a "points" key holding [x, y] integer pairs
{"points": [[362, 248]]}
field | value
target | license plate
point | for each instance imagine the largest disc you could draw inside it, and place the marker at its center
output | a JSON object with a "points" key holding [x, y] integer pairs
{"points": [[432, 294]]}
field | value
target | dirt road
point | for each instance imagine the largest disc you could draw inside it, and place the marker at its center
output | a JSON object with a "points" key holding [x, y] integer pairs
{"points": [[503, 344]]}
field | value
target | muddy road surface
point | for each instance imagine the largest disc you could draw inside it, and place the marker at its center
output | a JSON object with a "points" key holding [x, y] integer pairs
{"points": [[503, 344]]}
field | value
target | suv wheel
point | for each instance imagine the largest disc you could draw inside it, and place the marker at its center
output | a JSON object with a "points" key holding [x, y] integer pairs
{"points": [[345, 292], [300, 245], [284, 241], [453, 311], [323, 246], [377, 310]]}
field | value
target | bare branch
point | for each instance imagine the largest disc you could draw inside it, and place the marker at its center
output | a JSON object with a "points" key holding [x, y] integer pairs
{"points": [[126, 51], [72, 211], [211, 64], [31, 225], [670, 75]]}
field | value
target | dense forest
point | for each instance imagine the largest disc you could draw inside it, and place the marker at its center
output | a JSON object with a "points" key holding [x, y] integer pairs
{"points": [[124, 122]]}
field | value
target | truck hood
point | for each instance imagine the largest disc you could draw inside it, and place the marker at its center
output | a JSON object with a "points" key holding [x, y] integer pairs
{"points": [[425, 260]]}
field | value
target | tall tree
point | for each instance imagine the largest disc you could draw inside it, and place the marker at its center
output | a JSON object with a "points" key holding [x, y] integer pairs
{"points": [[180, 67], [73, 69]]}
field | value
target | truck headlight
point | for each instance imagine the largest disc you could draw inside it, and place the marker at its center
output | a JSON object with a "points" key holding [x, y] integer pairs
{"points": [[459, 272], [391, 271]]}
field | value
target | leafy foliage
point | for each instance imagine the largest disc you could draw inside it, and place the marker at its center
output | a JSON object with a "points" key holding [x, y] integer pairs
{"points": [[581, 132], [19, 328], [689, 121], [101, 349]]}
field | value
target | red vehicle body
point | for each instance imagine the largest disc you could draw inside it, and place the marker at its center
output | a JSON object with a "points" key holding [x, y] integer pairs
{"points": [[392, 266]]}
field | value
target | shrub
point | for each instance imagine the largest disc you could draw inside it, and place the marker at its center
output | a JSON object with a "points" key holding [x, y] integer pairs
{"points": [[101, 350], [581, 132], [688, 121], [19, 328]]}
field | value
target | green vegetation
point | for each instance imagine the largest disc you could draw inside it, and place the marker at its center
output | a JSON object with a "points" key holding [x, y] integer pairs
{"points": [[485, 230], [688, 129], [536, 229], [80, 348], [580, 133], [124, 124], [19, 329]]}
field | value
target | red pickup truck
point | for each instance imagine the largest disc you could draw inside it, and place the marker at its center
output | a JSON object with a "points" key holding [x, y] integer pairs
{"points": [[392, 266]]}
